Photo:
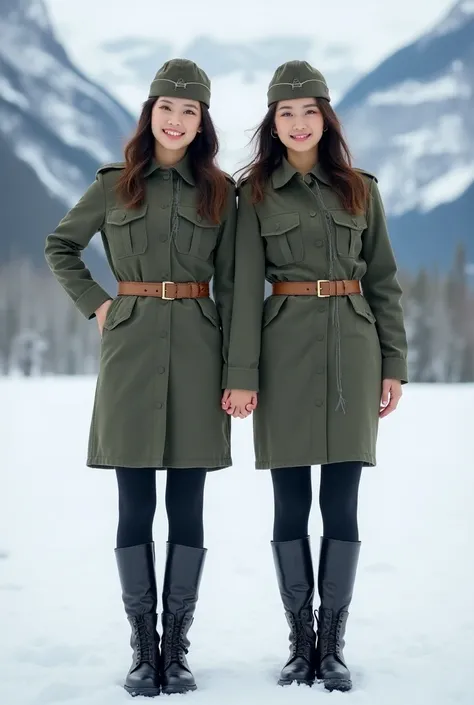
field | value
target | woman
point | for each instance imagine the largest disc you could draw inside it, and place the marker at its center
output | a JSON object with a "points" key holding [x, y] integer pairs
{"points": [[167, 220], [331, 357]]}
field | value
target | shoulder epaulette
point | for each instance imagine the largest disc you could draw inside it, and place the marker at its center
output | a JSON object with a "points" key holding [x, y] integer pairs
{"points": [[367, 173], [108, 167]]}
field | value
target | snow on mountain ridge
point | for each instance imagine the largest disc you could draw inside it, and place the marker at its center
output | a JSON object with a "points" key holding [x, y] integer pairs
{"points": [[40, 86]]}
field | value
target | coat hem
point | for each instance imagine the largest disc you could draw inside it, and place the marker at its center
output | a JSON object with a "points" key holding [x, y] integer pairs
{"points": [[367, 460], [109, 463]]}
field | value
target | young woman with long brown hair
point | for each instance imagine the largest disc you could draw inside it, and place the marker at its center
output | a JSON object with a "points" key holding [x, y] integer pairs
{"points": [[167, 220], [326, 352]]}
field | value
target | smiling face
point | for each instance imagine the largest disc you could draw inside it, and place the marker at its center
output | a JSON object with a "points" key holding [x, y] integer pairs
{"points": [[299, 124], [175, 123]]}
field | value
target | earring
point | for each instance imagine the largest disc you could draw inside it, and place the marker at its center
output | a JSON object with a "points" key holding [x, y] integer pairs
{"points": [[273, 133], [325, 129]]}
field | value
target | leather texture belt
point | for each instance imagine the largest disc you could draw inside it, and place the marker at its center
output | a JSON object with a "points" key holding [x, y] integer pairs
{"points": [[323, 288], [165, 290]]}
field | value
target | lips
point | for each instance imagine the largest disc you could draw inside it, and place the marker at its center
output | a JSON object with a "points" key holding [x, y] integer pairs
{"points": [[300, 138], [173, 134]]}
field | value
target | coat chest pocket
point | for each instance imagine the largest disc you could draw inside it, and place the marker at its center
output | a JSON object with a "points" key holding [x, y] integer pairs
{"points": [[196, 236], [349, 229], [126, 231], [283, 237]]}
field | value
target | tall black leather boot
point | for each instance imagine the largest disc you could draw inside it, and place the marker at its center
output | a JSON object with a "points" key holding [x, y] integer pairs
{"points": [[337, 570], [183, 571], [294, 567], [136, 567]]}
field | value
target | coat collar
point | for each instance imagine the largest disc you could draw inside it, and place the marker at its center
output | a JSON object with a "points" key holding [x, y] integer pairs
{"points": [[183, 168], [285, 172]]}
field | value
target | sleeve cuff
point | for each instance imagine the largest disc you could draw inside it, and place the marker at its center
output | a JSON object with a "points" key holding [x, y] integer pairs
{"points": [[240, 378], [395, 368], [91, 299]]}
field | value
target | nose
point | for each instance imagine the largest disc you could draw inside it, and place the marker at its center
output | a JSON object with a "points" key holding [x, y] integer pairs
{"points": [[174, 120]]}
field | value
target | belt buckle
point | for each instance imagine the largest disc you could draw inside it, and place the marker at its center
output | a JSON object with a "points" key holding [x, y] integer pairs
{"points": [[320, 295], [163, 292]]}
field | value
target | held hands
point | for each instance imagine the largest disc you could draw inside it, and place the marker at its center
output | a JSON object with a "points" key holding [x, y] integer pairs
{"points": [[239, 402], [101, 314], [391, 395]]}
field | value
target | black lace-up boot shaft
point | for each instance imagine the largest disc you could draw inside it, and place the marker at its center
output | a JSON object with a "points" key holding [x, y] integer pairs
{"points": [[337, 571], [184, 566], [294, 568], [136, 566]]}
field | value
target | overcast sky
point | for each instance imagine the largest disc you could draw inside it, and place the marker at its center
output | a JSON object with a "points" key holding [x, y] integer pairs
{"points": [[374, 28]]}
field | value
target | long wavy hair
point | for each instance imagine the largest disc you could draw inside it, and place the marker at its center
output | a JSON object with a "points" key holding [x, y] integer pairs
{"points": [[211, 182], [333, 154]]}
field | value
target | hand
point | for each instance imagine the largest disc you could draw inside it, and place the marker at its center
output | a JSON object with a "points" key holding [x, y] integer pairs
{"points": [[101, 314], [391, 395], [239, 402]]}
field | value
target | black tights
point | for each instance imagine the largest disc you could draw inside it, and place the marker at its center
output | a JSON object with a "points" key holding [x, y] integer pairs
{"points": [[137, 504], [338, 495]]}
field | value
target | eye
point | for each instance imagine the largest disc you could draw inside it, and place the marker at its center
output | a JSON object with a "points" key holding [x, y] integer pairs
{"points": [[164, 107], [285, 114], [313, 111], [190, 112]]}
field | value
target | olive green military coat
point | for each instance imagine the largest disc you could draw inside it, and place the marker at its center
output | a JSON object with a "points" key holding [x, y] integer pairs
{"points": [[318, 363], [157, 401]]}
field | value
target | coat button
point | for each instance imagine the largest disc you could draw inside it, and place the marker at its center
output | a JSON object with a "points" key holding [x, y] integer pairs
{"points": [[164, 238], [319, 370], [161, 370], [198, 218], [319, 243], [123, 216], [277, 226], [164, 334], [165, 205], [166, 175], [320, 337], [159, 405], [321, 307], [319, 402], [312, 213]]}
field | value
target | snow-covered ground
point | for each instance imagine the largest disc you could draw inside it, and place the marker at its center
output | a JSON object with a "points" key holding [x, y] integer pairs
{"points": [[63, 636]]}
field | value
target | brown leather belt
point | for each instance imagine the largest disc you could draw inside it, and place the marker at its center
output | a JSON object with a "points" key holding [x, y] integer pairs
{"points": [[165, 290], [323, 288]]}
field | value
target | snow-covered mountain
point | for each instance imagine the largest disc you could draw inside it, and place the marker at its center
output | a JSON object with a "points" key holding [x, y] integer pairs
{"points": [[56, 127], [411, 121]]}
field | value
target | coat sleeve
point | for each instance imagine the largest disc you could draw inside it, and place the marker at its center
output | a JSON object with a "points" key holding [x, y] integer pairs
{"points": [[64, 246], [249, 290], [382, 290], [223, 284]]}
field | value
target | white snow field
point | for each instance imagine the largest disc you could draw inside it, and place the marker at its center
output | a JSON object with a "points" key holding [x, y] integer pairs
{"points": [[63, 634]]}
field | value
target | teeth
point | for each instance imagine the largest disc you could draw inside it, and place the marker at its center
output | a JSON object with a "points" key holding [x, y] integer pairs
{"points": [[173, 134]]}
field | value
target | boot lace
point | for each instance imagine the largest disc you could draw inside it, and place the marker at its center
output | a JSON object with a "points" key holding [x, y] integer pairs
{"points": [[144, 641], [175, 640], [330, 631], [301, 642]]}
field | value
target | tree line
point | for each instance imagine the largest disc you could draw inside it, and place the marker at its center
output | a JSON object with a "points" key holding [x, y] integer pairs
{"points": [[42, 333]]}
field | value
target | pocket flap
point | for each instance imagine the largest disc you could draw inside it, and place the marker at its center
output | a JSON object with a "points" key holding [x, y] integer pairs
{"points": [[191, 214], [354, 222], [122, 216], [279, 224], [209, 310], [120, 310], [272, 308], [361, 307]]}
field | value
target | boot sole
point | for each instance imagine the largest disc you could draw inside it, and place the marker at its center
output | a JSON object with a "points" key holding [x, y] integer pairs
{"points": [[146, 692], [177, 689], [285, 684], [340, 684]]}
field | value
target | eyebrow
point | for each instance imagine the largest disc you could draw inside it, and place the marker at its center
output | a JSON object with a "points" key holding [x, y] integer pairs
{"points": [[186, 105], [288, 107]]}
